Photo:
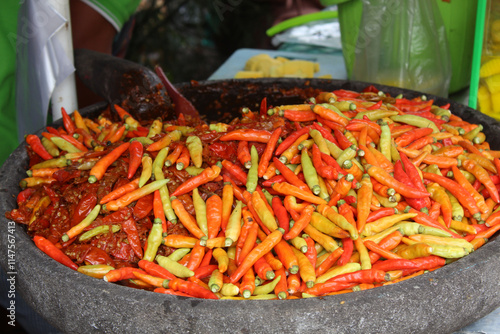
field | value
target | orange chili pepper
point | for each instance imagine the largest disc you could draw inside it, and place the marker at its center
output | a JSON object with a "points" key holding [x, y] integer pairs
{"points": [[244, 154], [97, 172], [258, 251], [208, 175], [482, 175], [383, 177], [261, 136]]}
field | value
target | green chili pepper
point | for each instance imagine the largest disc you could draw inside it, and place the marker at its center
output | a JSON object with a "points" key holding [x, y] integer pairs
{"points": [[174, 267], [98, 230], [179, 254], [308, 143], [200, 208], [457, 211], [334, 150], [193, 171], [299, 243], [348, 154], [384, 145], [253, 176], [374, 115], [447, 251], [165, 197], [434, 169], [143, 140], [268, 195], [319, 140], [154, 240], [337, 107], [267, 288], [50, 147], [53, 163], [160, 160], [310, 173], [415, 121], [215, 282], [473, 133], [64, 145]]}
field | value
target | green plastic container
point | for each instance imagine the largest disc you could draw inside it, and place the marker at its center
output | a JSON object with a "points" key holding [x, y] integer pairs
{"points": [[459, 17]]}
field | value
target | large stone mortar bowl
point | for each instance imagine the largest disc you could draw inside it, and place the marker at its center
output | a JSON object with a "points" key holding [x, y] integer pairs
{"points": [[441, 301]]}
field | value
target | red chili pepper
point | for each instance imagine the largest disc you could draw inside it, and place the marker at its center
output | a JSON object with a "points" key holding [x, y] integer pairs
{"points": [[311, 253], [37, 147], [425, 263], [25, 195], [268, 152], [155, 270], [130, 228], [361, 276], [325, 133], [136, 150], [342, 139], [401, 176], [380, 213], [289, 175], [190, 288], [281, 214], [324, 170], [370, 89], [51, 250], [346, 93], [143, 207], [68, 122], [348, 246], [205, 271], [394, 264], [275, 179], [263, 106], [290, 139], [375, 106], [83, 208]]}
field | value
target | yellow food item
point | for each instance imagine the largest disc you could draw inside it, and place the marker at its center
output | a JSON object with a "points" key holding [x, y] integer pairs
{"points": [[495, 31], [484, 99], [491, 67], [249, 75], [495, 102], [493, 83], [263, 65]]}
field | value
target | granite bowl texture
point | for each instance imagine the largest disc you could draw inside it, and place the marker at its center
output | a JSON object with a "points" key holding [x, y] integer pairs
{"points": [[441, 301]]}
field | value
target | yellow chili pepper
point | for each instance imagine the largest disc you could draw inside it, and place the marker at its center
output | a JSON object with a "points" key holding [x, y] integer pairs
{"points": [[233, 227], [174, 267], [306, 269], [195, 148], [155, 128], [338, 270], [147, 168], [263, 212], [252, 176], [310, 173], [154, 240], [201, 211], [220, 255]]}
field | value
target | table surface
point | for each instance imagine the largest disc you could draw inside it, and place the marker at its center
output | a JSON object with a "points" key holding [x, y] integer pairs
{"points": [[333, 64]]}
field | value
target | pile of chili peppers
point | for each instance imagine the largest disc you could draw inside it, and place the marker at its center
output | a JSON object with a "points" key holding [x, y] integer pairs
{"points": [[345, 192]]}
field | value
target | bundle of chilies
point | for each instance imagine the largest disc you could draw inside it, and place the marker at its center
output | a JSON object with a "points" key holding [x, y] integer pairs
{"points": [[345, 192]]}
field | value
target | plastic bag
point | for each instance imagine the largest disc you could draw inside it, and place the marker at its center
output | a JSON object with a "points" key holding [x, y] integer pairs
{"points": [[403, 44]]}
